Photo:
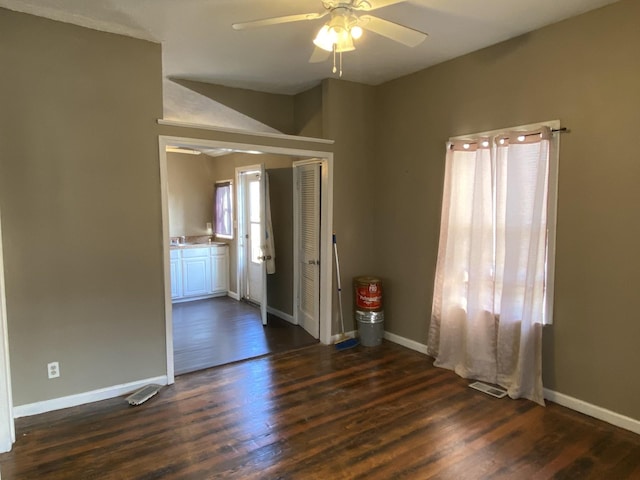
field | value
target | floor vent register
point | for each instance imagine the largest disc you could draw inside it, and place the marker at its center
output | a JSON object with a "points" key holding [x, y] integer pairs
{"points": [[488, 389], [144, 394]]}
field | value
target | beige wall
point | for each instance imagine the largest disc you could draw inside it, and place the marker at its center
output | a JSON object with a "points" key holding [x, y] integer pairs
{"points": [[190, 182], [271, 109], [80, 201], [280, 284], [299, 114], [586, 72], [307, 113], [348, 116]]}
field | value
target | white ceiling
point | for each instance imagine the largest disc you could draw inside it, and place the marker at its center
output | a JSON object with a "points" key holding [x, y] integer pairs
{"points": [[199, 43]]}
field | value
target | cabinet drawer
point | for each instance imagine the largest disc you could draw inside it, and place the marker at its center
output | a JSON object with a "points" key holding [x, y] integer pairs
{"points": [[218, 249], [195, 252]]}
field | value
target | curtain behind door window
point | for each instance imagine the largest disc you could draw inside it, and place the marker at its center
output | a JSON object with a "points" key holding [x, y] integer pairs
{"points": [[223, 210]]}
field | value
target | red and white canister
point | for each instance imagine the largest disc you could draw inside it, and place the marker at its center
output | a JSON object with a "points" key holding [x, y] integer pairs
{"points": [[368, 293]]}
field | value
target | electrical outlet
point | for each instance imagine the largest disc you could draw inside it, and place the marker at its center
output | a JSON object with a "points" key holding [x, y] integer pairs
{"points": [[54, 369]]}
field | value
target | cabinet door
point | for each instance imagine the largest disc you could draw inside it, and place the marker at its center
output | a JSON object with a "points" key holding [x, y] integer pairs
{"points": [[176, 278], [220, 273], [196, 276]]}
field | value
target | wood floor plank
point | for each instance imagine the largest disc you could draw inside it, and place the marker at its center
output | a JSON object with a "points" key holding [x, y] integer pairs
{"points": [[217, 331], [364, 413]]}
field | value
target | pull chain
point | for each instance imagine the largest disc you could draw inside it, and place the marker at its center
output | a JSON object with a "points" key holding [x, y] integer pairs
{"points": [[334, 58], [334, 61]]}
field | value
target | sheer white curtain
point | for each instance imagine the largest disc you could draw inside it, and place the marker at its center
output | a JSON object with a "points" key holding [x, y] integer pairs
{"points": [[489, 295]]}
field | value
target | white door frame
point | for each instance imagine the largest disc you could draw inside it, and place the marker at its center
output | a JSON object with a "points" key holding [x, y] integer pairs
{"points": [[326, 224], [7, 424]]}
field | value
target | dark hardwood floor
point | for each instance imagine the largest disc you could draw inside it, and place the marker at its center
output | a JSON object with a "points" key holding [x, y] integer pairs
{"points": [[216, 331], [315, 413]]}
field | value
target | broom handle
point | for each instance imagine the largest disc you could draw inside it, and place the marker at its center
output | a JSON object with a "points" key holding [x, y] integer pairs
{"points": [[335, 251]]}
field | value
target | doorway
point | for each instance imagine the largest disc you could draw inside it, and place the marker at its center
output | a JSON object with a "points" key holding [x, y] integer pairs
{"points": [[325, 267], [250, 226]]}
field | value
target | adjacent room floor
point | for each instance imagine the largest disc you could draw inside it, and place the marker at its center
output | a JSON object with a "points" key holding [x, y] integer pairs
{"points": [[217, 331], [316, 413]]}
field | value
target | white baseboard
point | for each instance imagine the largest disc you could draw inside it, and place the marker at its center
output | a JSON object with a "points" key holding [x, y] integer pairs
{"points": [[282, 315], [200, 297], [405, 342], [85, 397], [233, 295], [594, 411]]}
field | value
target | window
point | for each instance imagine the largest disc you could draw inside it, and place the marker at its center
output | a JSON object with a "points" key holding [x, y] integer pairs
{"points": [[494, 276], [255, 237], [223, 209], [499, 224]]}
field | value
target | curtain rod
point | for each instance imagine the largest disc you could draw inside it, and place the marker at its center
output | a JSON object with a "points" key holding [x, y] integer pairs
{"points": [[553, 130]]}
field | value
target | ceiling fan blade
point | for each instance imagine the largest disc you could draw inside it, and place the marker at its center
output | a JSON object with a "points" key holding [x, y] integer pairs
{"points": [[394, 31], [319, 55], [276, 20], [368, 5]]}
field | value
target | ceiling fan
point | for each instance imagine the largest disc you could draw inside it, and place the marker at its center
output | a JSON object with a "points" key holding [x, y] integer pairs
{"points": [[345, 25]]}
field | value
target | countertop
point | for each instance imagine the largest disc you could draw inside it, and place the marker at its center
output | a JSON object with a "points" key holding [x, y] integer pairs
{"points": [[183, 246]]}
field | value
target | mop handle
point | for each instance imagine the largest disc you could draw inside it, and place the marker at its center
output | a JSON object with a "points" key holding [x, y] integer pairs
{"points": [[335, 251]]}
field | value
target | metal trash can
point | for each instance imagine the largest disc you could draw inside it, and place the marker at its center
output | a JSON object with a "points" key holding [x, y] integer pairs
{"points": [[370, 327]]}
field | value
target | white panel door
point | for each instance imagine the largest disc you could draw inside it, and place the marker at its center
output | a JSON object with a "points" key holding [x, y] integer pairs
{"points": [[307, 226], [251, 197], [263, 241], [254, 240]]}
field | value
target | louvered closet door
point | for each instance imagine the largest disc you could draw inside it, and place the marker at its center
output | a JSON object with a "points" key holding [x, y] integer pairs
{"points": [[308, 211]]}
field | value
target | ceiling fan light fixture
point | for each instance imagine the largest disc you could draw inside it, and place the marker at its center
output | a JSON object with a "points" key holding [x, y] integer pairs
{"points": [[325, 38], [329, 37], [345, 24], [339, 32], [344, 42]]}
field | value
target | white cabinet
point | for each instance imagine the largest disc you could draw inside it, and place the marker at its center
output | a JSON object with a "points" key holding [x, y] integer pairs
{"points": [[175, 266], [196, 272], [219, 269], [199, 272]]}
